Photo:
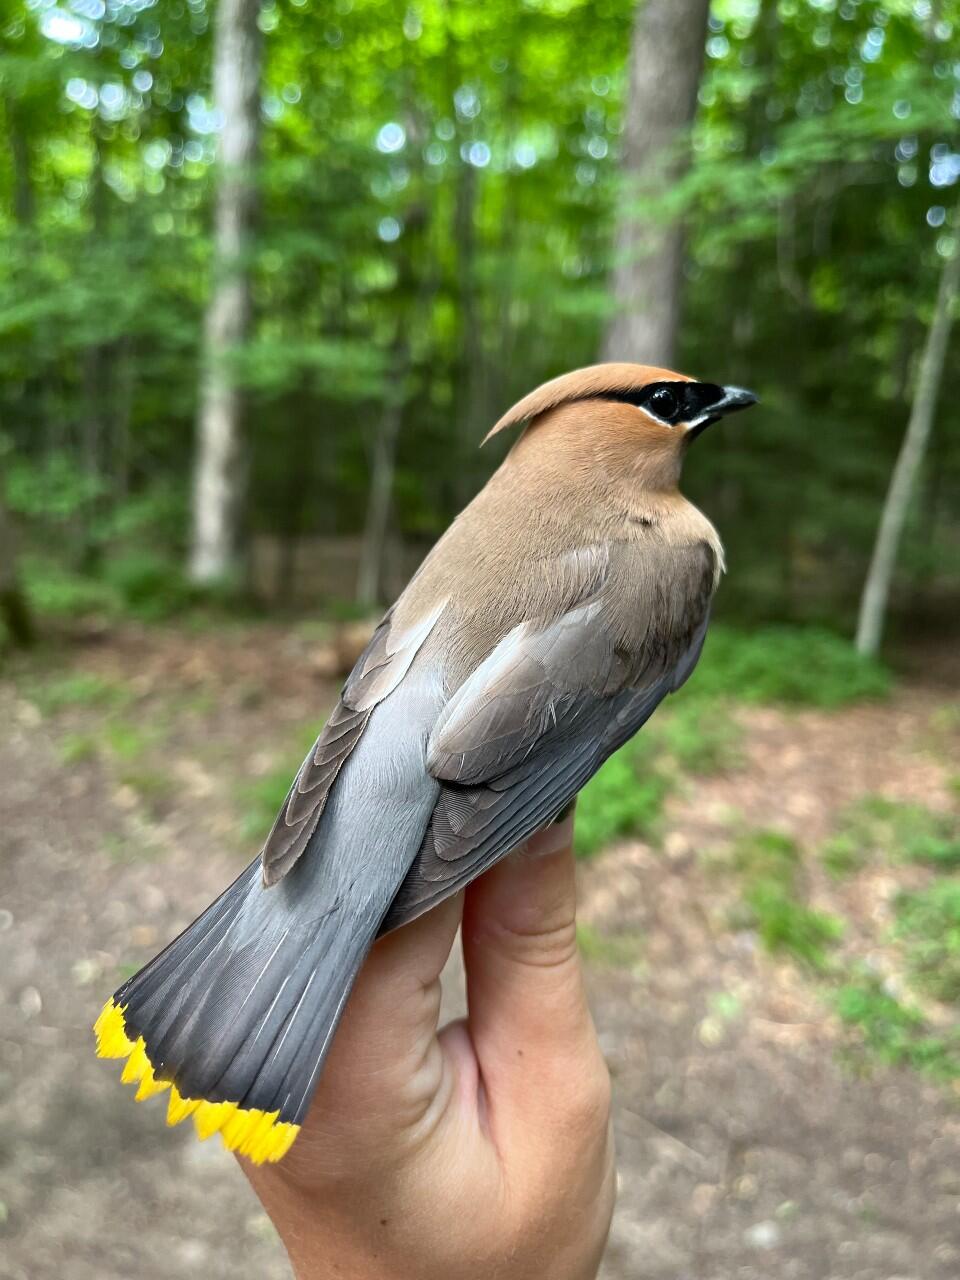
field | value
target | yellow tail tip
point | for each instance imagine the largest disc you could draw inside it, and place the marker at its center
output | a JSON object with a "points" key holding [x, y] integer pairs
{"points": [[259, 1135], [111, 1033]]}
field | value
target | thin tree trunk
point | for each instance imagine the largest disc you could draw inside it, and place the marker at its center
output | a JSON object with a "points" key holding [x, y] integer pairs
{"points": [[14, 610], [23, 201], [382, 468], [876, 591], [96, 373], [220, 471], [125, 372], [665, 66], [471, 411], [413, 318]]}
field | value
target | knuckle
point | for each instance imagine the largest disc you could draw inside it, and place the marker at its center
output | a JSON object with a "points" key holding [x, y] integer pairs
{"points": [[543, 947], [589, 1105]]}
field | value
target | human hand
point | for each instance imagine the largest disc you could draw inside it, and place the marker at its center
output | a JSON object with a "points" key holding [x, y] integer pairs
{"points": [[482, 1150]]}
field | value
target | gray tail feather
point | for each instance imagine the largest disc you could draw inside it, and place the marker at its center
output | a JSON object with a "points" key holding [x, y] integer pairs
{"points": [[242, 1006]]}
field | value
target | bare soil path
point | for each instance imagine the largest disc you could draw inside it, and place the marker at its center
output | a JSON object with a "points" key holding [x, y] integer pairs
{"points": [[747, 1148]]}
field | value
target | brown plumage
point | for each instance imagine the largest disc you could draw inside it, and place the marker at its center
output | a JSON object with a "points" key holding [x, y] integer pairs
{"points": [[544, 628]]}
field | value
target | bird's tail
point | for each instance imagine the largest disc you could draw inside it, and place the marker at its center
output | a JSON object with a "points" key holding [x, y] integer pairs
{"points": [[235, 1017]]}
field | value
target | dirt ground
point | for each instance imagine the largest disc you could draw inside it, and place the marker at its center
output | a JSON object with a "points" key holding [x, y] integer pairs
{"points": [[747, 1148]]}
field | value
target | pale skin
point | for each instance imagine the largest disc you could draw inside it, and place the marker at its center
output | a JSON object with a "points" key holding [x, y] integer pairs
{"points": [[477, 1151]]}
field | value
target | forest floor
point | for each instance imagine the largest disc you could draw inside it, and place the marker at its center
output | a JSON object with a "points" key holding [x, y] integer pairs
{"points": [[757, 1135]]}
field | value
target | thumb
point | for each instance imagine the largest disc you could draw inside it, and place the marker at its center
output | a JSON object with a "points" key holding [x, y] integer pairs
{"points": [[529, 1020]]}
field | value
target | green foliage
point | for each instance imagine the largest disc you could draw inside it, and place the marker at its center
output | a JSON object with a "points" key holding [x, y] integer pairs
{"points": [[895, 830], [797, 665], [148, 585], [127, 740], [624, 798], [54, 590], [80, 689], [928, 925], [896, 1033], [429, 177], [77, 747], [843, 854], [153, 786], [787, 925], [260, 800], [770, 867], [701, 735], [50, 488]]}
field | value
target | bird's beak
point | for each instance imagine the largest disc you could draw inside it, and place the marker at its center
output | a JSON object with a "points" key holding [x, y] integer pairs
{"points": [[733, 400]]}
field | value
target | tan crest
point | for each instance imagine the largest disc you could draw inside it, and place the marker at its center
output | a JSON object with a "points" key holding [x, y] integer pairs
{"points": [[589, 383]]}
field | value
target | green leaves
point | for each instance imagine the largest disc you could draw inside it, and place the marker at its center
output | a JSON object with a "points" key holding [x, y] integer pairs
{"points": [[801, 665], [479, 228]]}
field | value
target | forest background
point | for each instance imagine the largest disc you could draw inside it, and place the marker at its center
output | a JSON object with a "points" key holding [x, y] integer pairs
{"points": [[419, 214], [269, 270]]}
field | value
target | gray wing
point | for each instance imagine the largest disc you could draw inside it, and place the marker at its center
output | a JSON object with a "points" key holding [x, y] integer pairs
{"points": [[379, 669], [540, 715]]}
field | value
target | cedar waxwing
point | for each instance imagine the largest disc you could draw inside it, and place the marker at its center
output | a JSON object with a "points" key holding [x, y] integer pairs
{"points": [[544, 628]]}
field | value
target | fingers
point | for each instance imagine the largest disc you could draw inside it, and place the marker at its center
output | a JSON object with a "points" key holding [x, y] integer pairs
{"points": [[385, 1064], [529, 1019]]}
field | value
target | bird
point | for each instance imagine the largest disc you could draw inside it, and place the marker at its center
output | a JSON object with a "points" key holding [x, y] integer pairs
{"points": [[543, 629]]}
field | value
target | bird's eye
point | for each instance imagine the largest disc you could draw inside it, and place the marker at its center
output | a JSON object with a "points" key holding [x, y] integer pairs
{"points": [[663, 402]]}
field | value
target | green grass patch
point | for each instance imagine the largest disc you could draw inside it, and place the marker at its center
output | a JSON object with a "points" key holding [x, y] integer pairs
{"points": [[79, 689], [701, 735], [153, 787], [876, 827], [58, 592], [773, 899], [943, 732], [76, 747], [126, 849], [148, 586], [126, 741], [804, 666], [138, 583], [895, 1033], [843, 854], [928, 927], [259, 801], [624, 798]]}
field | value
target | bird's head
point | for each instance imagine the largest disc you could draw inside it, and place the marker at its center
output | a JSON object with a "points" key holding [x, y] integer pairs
{"points": [[628, 411]]}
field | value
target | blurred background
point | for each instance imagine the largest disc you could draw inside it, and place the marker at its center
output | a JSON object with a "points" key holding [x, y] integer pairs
{"points": [[270, 270]]}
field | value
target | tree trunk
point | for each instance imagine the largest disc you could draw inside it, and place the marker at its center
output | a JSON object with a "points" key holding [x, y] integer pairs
{"points": [[876, 591], [14, 611], [665, 66], [220, 471], [382, 467], [471, 376], [23, 201], [415, 317]]}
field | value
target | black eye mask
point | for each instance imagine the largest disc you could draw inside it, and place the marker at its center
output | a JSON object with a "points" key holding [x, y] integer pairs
{"points": [[670, 402]]}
